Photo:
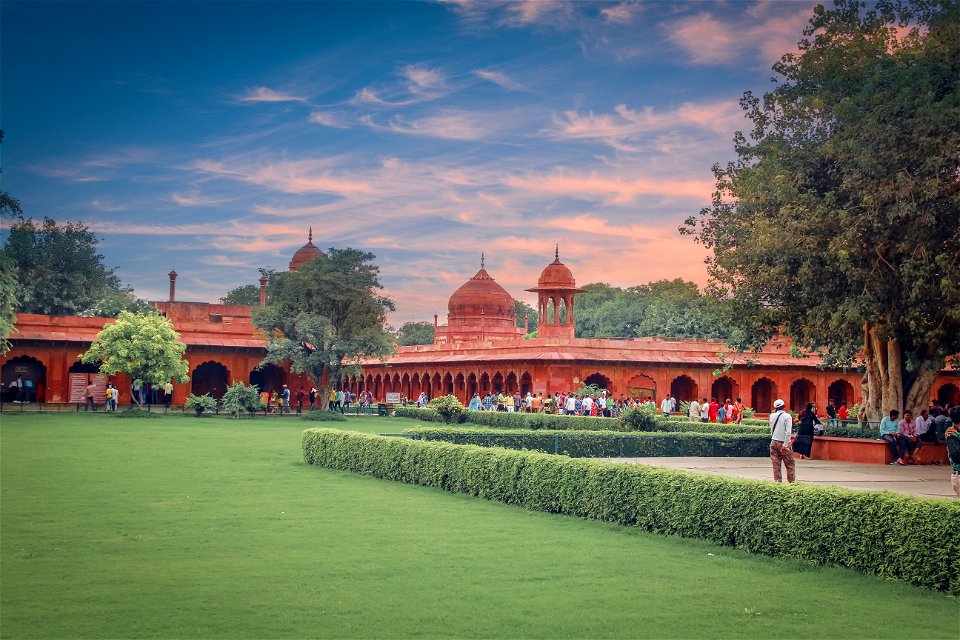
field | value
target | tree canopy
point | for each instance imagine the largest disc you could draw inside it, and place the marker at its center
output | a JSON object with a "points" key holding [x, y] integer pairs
{"points": [[247, 294], [525, 312], [665, 308], [410, 333], [8, 301], [837, 223], [59, 271], [143, 345], [326, 316]]}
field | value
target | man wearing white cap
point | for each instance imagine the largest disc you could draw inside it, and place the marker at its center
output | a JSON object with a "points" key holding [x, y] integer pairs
{"points": [[781, 426]]}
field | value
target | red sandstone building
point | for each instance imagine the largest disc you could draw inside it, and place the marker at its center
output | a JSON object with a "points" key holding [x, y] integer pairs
{"points": [[479, 349]]}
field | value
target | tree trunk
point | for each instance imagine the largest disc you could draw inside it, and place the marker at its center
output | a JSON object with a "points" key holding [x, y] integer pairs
{"points": [[884, 380]]}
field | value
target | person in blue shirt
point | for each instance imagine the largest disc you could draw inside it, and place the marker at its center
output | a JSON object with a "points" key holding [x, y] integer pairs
{"points": [[890, 433]]}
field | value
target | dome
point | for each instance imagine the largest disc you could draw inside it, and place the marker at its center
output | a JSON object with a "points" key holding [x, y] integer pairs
{"points": [[557, 275], [481, 294], [306, 253]]}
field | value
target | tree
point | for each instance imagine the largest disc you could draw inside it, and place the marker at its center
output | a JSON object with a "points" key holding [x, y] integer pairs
{"points": [[144, 346], [524, 312], [837, 224], [248, 295], [57, 266], [8, 301], [113, 301], [411, 333], [327, 316]]}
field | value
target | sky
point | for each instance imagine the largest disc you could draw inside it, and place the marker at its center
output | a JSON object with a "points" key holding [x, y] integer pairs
{"points": [[209, 136]]}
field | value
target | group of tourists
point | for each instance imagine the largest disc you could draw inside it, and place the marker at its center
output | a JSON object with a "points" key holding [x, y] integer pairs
{"points": [[21, 391], [338, 400], [712, 411], [906, 435], [600, 404]]}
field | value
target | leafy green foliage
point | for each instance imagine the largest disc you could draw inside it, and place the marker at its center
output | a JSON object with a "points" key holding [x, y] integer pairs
{"points": [[113, 301], [837, 224], [8, 301], [143, 346], [248, 295], [411, 333], [326, 316], [239, 399], [642, 418], [599, 444], [666, 308], [864, 530], [324, 416], [525, 314], [58, 269], [136, 414], [449, 408], [202, 403]]}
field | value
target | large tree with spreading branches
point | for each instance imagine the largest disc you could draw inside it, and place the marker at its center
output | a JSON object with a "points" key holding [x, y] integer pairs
{"points": [[837, 225], [326, 317]]}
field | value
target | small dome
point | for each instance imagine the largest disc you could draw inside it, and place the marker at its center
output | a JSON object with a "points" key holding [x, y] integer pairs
{"points": [[481, 293], [307, 253], [556, 275]]}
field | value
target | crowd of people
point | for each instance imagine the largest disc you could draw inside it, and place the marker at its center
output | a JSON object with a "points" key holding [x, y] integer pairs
{"points": [[279, 401]]}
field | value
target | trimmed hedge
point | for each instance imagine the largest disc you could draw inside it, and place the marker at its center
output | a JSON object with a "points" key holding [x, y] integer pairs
{"points": [[888, 534], [599, 444]]}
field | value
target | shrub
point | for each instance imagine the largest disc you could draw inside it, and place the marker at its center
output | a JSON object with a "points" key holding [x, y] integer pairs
{"points": [[324, 416], [240, 398], [508, 420], [642, 418], [603, 444], [201, 403], [449, 408], [748, 412], [136, 413], [879, 532]]}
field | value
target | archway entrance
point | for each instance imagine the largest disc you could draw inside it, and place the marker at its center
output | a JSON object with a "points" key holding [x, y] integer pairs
{"points": [[28, 370], [642, 388], [723, 388], [268, 378], [683, 388], [947, 394], [210, 377], [598, 380], [802, 391], [841, 392], [526, 384], [762, 395]]}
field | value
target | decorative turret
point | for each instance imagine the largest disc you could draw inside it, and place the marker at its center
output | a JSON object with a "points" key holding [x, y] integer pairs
{"points": [[306, 253], [556, 291]]}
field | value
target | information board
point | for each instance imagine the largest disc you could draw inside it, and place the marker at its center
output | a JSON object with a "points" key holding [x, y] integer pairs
{"points": [[393, 398], [78, 387]]}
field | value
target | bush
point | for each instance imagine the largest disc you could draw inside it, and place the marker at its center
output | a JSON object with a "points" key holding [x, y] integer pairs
{"points": [[240, 398], [507, 420], [324, 416], [449, 408], [601, 444], [642, 418], [879, 532], [136, 413], [201, 403]]}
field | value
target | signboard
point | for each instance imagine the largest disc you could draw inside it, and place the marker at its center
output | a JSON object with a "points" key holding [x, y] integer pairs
{"points": [[641, 393], [393, 398], [78, 386]]}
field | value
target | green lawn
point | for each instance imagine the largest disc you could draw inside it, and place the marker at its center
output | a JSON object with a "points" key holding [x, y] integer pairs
{"points": [[178, 527]]}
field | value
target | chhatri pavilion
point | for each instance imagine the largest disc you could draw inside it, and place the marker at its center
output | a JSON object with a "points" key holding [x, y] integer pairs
{"points": [[479, 349]]}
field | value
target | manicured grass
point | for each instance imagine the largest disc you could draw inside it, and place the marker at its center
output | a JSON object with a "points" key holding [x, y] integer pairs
{"points": [[179, 527]]}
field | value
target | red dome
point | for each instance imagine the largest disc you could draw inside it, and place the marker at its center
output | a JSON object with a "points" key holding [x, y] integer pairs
{"points": [[556, 276], [481, 293], [307, 253]]}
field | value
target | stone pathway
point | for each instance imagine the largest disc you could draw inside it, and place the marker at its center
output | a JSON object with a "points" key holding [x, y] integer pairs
{"points": [[930, 481]]}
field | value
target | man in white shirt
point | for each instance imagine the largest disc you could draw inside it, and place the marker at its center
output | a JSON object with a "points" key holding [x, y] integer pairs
{"points": [[571, 405], [694, 411], [587, 405], [781, 427], [666, 405]]}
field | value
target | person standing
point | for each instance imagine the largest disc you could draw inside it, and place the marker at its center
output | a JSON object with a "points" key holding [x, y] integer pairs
{"points": [[115, 394], [953, 449], [781, 428], [738, 411], [804, 442], [167, 394], [693, 412], [88, 392], [705, 411], [18, 385], [301, 394], [831, 414], [842, 413], [713, 408], [666, 405], [313, 397], [889, 431], [474, 403], [28, 390]]}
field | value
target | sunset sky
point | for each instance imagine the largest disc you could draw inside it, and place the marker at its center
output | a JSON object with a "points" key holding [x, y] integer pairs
{"points": [[209, 136]]}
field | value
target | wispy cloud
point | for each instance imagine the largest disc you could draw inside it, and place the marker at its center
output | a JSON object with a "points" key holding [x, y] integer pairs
{"points": [[449, 126], [194, 199], [498, 78], [265, 94], [421, 78], [622, 13], [328, 119], [105, 204], [297, 177]]}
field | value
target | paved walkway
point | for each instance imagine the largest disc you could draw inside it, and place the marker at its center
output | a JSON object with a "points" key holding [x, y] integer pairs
{"points": [[928, 480]]}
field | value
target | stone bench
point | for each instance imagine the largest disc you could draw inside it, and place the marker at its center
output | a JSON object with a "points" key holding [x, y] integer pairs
{"points": [[870, 451]]}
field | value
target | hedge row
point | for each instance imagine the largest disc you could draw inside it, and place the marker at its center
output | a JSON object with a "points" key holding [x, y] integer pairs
{"points": [[599, 444], [535, 421], [510, 420], [888, 534]]}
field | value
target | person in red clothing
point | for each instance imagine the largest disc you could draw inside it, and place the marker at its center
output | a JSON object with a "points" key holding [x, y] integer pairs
{"points": [[301, 394], [714, 408], [842, 412]]}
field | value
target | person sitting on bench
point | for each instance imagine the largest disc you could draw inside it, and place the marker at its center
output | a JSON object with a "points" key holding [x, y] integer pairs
{"points": [[889, 431]]}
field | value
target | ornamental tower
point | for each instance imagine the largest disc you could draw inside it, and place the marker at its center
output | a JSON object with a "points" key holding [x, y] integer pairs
{"points": [[556, 291]]}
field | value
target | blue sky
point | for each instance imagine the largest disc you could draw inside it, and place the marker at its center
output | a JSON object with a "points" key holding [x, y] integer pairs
{"points": [[208, 136]]}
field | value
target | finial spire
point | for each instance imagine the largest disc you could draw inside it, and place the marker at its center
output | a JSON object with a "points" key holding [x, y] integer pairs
{"points": [[310, 235], [556, 253], [482, 260]]}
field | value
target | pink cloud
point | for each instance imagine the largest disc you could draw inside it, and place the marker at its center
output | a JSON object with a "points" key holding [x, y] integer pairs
{"points": [[613, 189], [265, 94], [295, 177]]}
